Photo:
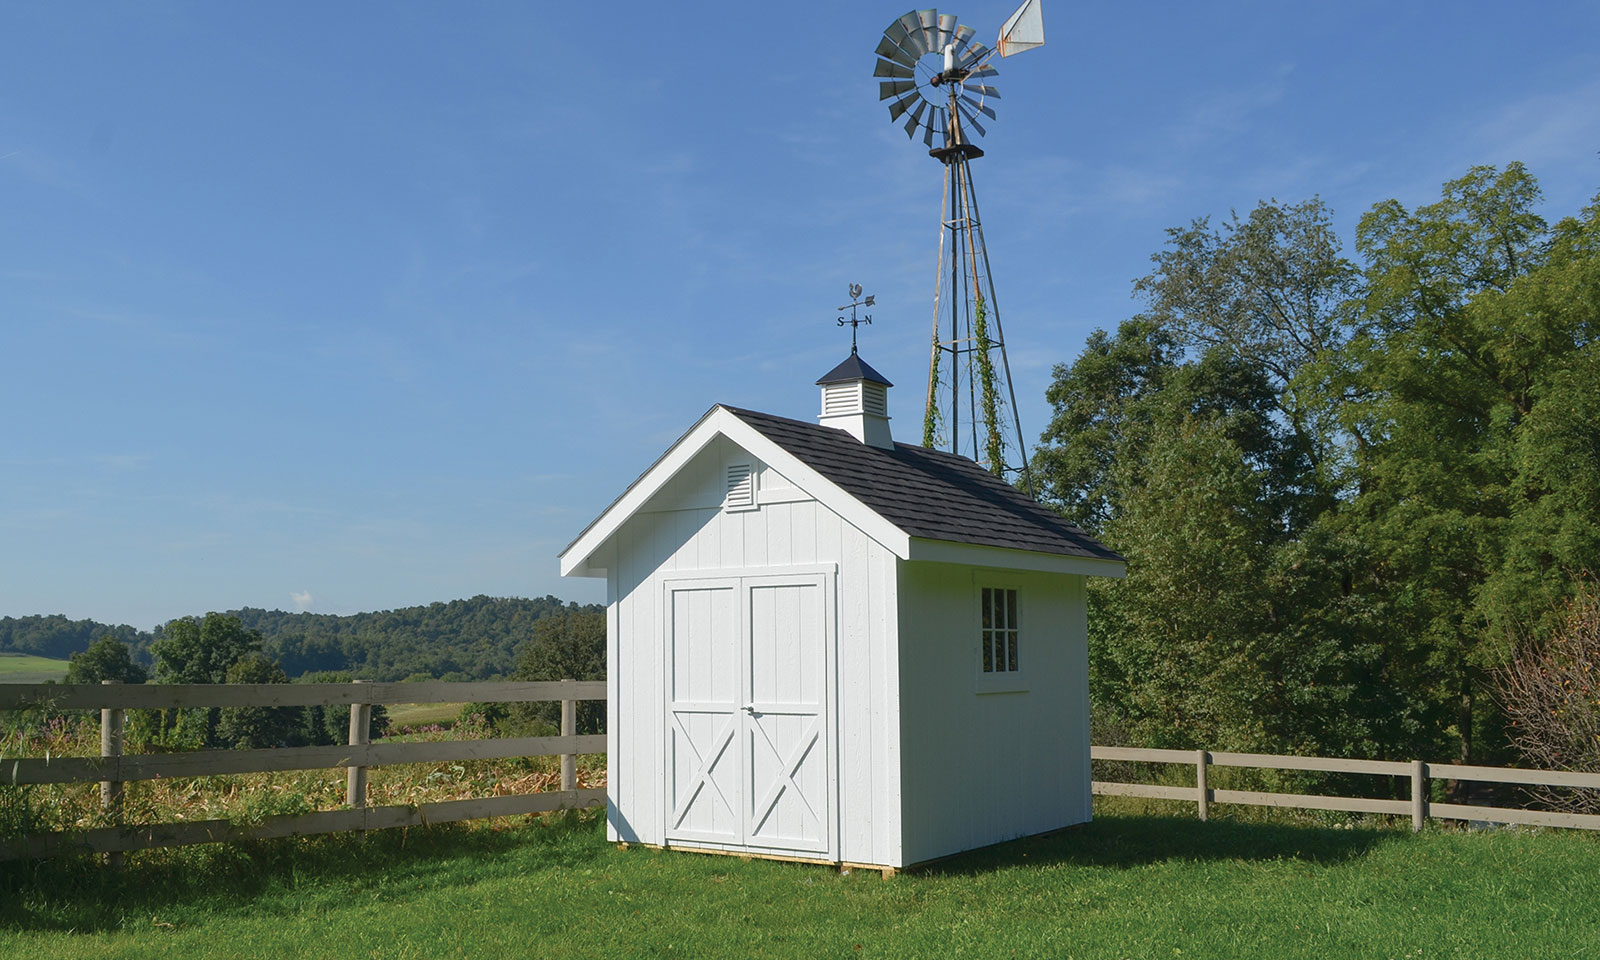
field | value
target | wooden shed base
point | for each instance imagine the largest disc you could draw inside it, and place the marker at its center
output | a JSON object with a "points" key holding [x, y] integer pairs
{"points": [[843, 866]]}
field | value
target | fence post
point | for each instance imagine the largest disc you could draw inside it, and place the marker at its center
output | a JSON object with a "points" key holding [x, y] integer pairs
{"points": [[1201, 760], [569, 728], [1419, 795], [111, 721], [355, 793]]}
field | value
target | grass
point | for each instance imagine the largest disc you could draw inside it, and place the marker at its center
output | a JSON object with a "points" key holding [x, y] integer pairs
{"points": [[1127, 885], [423, 714], [26, 668]]}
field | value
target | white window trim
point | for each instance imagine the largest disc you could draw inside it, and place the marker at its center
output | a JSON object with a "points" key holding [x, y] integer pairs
{"points": [[1010, 681]]}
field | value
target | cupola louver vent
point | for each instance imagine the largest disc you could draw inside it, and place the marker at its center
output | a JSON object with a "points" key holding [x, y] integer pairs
{"points": [[741, 487]]}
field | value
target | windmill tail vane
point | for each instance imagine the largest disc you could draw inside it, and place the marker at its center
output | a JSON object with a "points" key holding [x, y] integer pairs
{"points": [[936, 77]]}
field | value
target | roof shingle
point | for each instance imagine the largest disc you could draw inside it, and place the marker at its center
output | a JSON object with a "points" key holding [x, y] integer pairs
{"points": [[928, 493]]}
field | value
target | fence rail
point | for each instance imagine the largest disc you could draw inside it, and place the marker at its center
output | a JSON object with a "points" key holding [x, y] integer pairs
{"points": [[113, 768], [1418, 805]]}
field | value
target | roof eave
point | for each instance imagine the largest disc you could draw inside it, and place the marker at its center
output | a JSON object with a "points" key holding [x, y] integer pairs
{"points": [[983, 555]]}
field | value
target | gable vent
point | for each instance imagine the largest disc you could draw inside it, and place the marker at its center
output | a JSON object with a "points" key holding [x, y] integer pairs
{"points": [[741, 487], [839, 399], [875, 399]]}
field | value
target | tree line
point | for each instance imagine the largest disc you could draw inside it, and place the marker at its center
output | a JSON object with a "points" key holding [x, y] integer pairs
{"points": [[473, 639], [1350, 491]]}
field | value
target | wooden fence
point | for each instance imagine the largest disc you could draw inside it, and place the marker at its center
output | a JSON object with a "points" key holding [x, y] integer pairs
{"points": [[1418, 805], [112, 769]]}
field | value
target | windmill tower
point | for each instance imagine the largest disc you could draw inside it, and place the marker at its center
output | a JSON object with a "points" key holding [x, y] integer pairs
{"points": [[936, 77]]}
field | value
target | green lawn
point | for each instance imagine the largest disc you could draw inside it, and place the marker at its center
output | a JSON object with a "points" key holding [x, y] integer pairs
{"points": [[1124, 886], [423, 714], [25, 668]]}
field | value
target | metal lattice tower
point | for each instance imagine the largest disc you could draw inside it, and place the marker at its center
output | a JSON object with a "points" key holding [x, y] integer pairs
{"points": [[971, 405]]}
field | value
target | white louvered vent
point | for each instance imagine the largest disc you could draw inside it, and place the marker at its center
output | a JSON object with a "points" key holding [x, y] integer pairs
{"points": [[839, 399], [875, 399], [741, 487]]}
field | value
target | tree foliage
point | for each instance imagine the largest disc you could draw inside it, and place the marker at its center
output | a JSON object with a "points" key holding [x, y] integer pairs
{"points": [[105, 659], [1342, 487], [566, 646]]}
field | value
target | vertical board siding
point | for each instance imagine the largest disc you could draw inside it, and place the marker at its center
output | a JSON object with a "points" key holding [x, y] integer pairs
{"points": [[684, 529], [1010, 742]]}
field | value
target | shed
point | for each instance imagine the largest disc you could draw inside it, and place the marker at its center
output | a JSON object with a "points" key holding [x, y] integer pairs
{"points": [[826, 645]]}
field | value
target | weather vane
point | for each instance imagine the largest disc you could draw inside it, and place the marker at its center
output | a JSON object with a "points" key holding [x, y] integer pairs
{"points": [[855, 301]]}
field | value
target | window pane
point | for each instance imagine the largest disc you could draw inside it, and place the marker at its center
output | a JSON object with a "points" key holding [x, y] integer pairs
{"points": [[1011, 652], [988, 607], [988, 652], [1011, 609]]}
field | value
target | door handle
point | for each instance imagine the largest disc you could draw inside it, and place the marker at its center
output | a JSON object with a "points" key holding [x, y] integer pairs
{"points": [[749, 708]]}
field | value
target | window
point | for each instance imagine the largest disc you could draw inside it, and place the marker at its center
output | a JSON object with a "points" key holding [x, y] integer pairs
{"points": [[998, 609]]}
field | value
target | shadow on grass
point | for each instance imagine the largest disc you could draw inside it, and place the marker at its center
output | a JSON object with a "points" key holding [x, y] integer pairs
{"points": [[1135, 840], [82, 894]]}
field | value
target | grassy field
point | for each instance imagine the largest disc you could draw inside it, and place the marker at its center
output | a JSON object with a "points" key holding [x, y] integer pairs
{"points": [[1125, 886], [423, 714], [24, 668]]}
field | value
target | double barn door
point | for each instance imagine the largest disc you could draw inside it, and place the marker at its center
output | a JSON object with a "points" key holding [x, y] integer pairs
{"points": [[749, 760]]}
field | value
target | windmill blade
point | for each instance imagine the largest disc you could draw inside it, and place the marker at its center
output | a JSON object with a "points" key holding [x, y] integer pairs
{"points": [[947, 26], [978, 105], [963, 37], [929, 19], [915, 120], [1023, 30], [914, 40], [976, 53], [967, 115], [894, 88], [902, 105], [985, 72], [890, 51], [934, 125], [888, 68], [982, 90]]}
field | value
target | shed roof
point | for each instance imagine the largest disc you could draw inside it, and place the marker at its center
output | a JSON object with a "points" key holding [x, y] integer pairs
{"points": [[928, 493]]}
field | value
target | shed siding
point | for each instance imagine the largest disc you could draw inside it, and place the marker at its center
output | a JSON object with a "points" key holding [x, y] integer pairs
{"points": [[683, 529], [983, 768]]}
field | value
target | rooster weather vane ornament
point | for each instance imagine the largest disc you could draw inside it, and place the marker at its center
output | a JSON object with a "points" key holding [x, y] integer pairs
{"points": [[855, 302]]}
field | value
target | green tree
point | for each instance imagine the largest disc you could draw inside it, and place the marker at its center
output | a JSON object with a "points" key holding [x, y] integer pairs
{"points": [[255, 727], [196, 650], [106, 659], [566, 646]]}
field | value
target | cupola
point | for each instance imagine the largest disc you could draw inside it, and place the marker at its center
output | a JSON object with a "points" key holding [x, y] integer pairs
{"points": [[855, 398]]}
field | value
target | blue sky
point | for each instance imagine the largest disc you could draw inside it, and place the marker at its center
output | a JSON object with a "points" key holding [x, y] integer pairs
{"points": [[354, 306]]}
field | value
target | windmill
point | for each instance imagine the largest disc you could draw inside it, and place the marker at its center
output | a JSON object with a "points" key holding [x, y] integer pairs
{"points": [[936, 77]]}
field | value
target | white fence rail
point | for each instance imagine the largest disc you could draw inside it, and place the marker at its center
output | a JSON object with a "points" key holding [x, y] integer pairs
{"points": [[113, 768], [1419, 772]]}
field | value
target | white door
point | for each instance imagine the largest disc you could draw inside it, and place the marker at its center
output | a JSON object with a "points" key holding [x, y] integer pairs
{"points": [[748, 739]]}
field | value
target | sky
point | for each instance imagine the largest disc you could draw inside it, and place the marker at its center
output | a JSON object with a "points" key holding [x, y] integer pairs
{"points": [[354, 306]]}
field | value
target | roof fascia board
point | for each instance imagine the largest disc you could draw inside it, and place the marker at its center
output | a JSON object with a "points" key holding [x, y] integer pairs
{"points": [[720, 421], [575, 559], [979, 555]]}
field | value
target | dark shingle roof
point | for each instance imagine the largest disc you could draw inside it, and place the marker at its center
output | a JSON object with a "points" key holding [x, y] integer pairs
{"points": [[853, 368], [927, 493]]}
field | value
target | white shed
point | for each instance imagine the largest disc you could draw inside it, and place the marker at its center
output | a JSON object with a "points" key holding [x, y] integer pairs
{"points": [[825, 645]]}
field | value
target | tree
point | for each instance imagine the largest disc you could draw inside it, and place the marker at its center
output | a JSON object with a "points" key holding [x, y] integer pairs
{"points": [[566, 646], [255, 727], [106, 659], [1551, 692], [195, 650]]}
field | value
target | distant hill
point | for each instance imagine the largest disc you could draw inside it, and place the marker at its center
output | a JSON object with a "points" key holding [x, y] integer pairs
{"points": [[474, 639]]}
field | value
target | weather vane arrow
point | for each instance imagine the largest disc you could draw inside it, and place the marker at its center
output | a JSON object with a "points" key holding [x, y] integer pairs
{"points": [[855, 303]]}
